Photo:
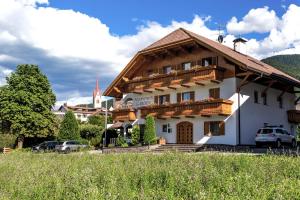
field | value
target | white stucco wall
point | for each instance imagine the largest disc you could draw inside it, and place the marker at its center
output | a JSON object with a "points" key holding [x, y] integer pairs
{"points": [[253, 115]]}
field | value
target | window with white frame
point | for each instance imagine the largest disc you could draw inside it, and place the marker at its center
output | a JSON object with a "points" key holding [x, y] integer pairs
{"points": [[166, 128]]}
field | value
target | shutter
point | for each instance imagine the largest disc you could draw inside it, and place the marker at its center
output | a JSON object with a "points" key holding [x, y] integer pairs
{"points": [[178, 97], [156, 100], [168, 98], [222, 127], [202, 62], [217, 93], [206, 128], [214, 61], [211, 93], [192, 96], [193, 63], [199, 62]]}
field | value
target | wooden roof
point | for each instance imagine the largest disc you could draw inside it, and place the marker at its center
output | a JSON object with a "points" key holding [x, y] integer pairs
{"points": [[181, 35]]}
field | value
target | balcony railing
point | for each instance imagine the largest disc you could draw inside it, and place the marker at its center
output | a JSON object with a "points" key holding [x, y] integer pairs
{"points": [[197, 108], [126, 114], [293, 116], [195, 75]]}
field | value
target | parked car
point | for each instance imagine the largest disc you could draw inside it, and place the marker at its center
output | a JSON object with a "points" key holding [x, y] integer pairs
{"points": [[68, 146], [45, 146], [275, 135]]}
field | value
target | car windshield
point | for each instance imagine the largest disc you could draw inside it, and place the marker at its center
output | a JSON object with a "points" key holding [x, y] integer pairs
{"points": [[60, 143], [265, 131]]}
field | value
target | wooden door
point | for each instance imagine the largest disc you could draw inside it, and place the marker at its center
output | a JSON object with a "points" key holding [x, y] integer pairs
{"points": [[185, 133]]}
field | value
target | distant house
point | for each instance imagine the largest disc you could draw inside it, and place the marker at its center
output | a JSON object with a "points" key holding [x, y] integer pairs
{"points": [[201, 91], [82, 112]]}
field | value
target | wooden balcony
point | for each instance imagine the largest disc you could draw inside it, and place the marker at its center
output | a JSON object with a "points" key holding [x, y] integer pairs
{"points": [[205, 108], [125, 114], [293, 116], [185, 78]]}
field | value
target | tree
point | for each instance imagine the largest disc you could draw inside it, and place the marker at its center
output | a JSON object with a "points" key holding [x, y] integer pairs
{"points": [[26, 102], [150, 133], [99, 120], [135, 135], [69, 129], [89, 131]]}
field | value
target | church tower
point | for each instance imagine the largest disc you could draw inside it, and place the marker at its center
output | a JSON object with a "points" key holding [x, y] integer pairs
{"points": [[97, 96]]}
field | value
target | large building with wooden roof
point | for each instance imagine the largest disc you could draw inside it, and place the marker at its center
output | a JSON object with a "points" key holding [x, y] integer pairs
{"points": [[201, 91]]}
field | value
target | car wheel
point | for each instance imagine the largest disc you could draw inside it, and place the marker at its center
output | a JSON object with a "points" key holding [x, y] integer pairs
{"points": [[68, 150], [294, 143], [278, 143]]}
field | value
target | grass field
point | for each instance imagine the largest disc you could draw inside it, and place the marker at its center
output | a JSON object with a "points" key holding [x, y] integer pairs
{"points": [[148, 176]]}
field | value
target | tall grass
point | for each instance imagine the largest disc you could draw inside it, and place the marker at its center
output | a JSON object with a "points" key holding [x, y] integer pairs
{"points": [[148, 176]]}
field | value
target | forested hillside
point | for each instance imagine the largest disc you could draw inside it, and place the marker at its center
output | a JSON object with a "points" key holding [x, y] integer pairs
{"points": [[287, 63]]}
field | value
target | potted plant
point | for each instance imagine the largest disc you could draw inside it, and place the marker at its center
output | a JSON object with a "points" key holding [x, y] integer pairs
{"points": [[161, 141]]}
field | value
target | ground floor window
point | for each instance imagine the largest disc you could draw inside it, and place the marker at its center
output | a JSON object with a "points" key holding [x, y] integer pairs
{"points": [[214, 128], [166, 128]]}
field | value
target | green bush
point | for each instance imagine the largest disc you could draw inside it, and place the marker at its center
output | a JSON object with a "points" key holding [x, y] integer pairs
{"points": [[135, 135], [150, 132], [69, 129], [95, 142], [120, 140], [124, 145], [7, 140], [89, 131]]}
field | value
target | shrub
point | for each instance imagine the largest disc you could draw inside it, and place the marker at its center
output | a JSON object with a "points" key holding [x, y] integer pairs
{"points": [[135, 135], [7, 140], [69, 129], [124, 145], [96, 141], [89, 131], [120, 140], [150, 132]]}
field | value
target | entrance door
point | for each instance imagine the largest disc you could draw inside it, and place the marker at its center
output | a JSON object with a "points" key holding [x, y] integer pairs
{"points": [[185, 133]]}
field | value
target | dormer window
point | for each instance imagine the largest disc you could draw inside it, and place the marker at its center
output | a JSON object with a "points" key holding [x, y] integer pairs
{"points": [[187, 66], [167, 69]]}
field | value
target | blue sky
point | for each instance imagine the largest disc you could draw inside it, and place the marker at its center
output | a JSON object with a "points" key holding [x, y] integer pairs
{"points": [[75, 42]]}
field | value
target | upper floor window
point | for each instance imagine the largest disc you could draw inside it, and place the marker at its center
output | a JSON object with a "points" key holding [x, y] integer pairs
{"points": [[214, 93], [255, 97], [207, 61], [187, 66], [149, 72], [280, 102], [162, 99], [265, 99], [186, 96], [167, 69]]}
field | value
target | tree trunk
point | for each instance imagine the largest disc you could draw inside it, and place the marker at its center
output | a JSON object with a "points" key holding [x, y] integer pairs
{"points": [[20, 141]]}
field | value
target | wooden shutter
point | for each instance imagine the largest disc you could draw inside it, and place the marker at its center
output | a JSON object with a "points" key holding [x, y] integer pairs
{"points": [[168, 98], [217, 93], [199, 62], [193, 63], [192, 96], [214, 60], [156, 100], [222, 127], [178, 97], [206, 128]]}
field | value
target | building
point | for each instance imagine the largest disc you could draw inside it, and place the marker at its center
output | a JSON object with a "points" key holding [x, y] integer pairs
{"points": [[82, 112], [201, 91]]}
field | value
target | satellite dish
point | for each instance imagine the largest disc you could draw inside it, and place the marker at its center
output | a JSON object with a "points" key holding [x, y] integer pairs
{"points": [[220, 38]]}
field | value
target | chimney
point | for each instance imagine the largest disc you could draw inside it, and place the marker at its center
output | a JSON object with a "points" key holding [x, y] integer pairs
{"points": [[239, 45]]}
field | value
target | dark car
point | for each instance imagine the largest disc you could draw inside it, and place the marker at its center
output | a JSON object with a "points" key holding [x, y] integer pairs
{"points": [[45, 146]]}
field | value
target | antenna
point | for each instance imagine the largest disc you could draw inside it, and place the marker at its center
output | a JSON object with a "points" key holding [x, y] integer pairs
{"points": [[220, 36]]}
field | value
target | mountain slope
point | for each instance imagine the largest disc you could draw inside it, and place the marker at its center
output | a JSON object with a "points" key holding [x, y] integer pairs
{"points": [[289, 64]]}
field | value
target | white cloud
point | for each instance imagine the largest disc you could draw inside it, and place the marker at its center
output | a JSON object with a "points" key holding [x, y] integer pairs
{"points": [[260, 20], [4, 72]]}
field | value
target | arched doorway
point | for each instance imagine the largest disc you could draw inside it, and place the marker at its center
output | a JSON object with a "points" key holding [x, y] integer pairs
{"points": [[184, 133]]}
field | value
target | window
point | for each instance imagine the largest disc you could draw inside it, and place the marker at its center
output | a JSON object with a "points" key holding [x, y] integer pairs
{"points": [[280, 102], [162, 99], [280, 131], [214, 93], [186, 96], [207, 62], [255, 97], [167, 70], [149, 72], [187, 66], [264, 96], [214, 128], [166, 128]]}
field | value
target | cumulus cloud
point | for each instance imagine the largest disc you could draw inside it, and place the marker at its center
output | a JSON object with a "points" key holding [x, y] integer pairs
{"points": [[260, 20]]}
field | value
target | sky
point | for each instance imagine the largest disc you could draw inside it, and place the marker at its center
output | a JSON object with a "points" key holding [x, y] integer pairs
{"points": [[76, 42]]}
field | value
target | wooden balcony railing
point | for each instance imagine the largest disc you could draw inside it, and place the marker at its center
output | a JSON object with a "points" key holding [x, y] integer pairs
{"points": [[195, 75], [293, 116], [126, 114], [197, 108]]}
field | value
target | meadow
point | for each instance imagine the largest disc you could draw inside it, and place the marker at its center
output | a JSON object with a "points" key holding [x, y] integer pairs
{"points": [[148, 176]]}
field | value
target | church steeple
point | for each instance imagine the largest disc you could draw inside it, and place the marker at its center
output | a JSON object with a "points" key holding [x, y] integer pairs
{"points": [[97, 96]]}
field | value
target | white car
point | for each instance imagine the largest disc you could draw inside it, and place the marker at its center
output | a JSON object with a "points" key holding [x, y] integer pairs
{"points": [[274, 135], [68, 146]]}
